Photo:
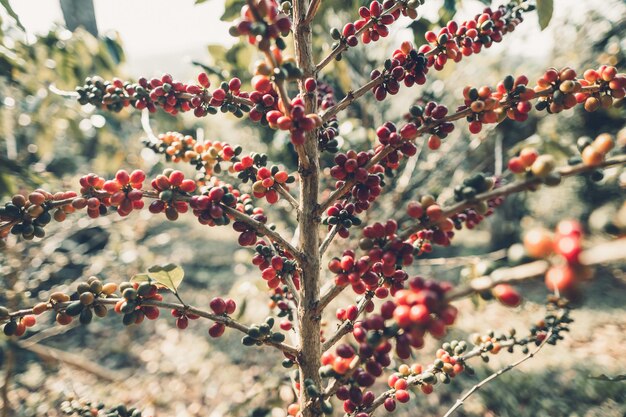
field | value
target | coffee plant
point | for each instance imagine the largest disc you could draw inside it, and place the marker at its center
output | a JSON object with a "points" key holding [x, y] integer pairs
{"points": [[342, 370]]}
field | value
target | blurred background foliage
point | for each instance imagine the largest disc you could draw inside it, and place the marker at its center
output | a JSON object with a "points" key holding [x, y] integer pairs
{"points": [[49, 140]]}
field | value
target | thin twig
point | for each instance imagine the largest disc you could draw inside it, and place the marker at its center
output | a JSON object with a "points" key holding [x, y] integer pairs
{"points": [[55, 90], [343, 46], [348, 184], [50, 353], [312, 11], [605, 252], [347, 325], [264, 230], [292, 288], [514, 187], [242, 217], [329, 295], [498, 156], [287, 196], [225, 320], [328, 239], [461, 260], [351, 97], [493, 376]]}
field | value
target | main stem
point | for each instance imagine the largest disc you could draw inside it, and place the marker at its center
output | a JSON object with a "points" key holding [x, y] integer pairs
{"points": [[309, 221]]}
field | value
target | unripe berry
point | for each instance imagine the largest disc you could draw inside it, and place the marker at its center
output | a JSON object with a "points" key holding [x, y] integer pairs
{"points": [[538, 243], [543, 165], [591, 156]]}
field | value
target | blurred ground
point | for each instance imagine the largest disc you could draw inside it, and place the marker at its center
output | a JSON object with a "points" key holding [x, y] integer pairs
{"points": [[183, 373]]}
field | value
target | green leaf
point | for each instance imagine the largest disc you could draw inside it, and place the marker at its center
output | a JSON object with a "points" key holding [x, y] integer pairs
{"points": [[544, 12], [232, 9], [140, 278], [447, 11], [11, 12], [217, 52], [603, 377], [169, 275], [419, 28], [114, 48], [208, 68]]}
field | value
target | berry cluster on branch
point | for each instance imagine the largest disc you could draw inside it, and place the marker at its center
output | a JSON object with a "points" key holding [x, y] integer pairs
{"points": [[394, 312]]}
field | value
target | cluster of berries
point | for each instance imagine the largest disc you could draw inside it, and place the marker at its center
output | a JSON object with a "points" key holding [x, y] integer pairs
{"points": [[517, 95], [530, 162], [457, 40], [29, 215], [275, 266], [593, 152], [173, 191], [165, 92], [133, 294], [207, 207], [342, 216], [563, 87], [125, 191], [262, 21], [296, 121], [184, 148], [566, 244], [369, 181], [611, 92], [430, 118]]}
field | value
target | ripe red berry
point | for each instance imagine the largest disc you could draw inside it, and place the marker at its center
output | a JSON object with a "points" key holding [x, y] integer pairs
{"points": [[403, 396], [569, 247], [516, 165], [203, 79], [560, 277], [29, 320], [390, 404], [231, 306], [216, 330], [507, 295], [182, 322], [310, 85], [475, 126], [218, 305]]}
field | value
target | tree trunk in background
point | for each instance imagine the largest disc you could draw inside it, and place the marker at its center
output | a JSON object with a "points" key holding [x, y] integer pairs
{"points": [[79, 13]]}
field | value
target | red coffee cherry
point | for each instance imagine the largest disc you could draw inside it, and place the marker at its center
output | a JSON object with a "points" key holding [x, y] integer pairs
{"points": [[216, 330], [507, 295], [561, 278], [402, 396]]}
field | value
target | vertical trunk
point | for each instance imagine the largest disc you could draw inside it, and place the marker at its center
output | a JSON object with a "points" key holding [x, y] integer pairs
{"points": [[309, 360]]}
